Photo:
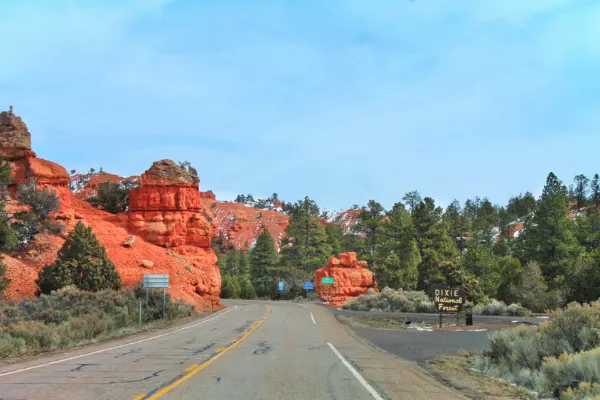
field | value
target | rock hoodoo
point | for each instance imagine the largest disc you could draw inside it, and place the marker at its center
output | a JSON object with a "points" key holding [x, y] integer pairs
{"points": [[15, 146], [166, 209], [351, 279]]}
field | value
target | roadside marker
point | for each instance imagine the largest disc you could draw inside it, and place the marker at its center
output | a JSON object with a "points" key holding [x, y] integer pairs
{"points": [[358, 376]]}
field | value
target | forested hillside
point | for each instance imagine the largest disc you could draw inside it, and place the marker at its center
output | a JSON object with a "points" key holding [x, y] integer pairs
{"points": [[539, 252]]}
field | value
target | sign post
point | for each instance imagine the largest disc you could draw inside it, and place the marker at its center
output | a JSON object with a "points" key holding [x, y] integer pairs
{"points": [[448, 299], [308, 286], [327, 281], [157, 281], [280, 287]]}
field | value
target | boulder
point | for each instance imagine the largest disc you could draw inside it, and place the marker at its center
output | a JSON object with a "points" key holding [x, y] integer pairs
{"points": [[351, 279], [147, 264], [129, 241]]}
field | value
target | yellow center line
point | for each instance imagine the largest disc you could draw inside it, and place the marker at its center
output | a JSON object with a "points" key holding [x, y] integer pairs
{"points": [[191, 367], [200, 367]]}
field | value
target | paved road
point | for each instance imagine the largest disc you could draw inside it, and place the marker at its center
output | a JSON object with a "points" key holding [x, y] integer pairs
{"points": [[251, 350], [423, 346]]}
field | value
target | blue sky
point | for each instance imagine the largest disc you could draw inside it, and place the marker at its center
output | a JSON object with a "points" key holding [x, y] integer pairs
{"points": [[341, 100]]}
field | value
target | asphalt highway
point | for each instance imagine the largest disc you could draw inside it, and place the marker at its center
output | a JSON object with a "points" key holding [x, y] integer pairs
{"points": [[251, 350]]}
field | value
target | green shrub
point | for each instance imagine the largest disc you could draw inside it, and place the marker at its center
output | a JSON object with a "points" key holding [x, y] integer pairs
{"points": [[495, 307], [69, 317], [549, 358], [81, 261]]}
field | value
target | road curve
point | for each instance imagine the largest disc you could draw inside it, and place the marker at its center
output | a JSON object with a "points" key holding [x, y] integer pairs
{"points": [[251, 350]]}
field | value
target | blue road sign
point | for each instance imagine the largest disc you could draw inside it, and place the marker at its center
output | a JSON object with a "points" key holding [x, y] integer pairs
{"points": [[309, 286], [280, 286]]}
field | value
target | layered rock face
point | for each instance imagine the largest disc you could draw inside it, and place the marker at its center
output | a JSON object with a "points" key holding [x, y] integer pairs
{"points": [[166, 209], [351, 279], [15, 145]]}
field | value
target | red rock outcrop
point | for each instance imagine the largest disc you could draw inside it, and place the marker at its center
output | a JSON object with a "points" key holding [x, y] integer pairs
{"points": [[15, 145], [240, 224], [351, 279], [194, 276], [166, 209]]}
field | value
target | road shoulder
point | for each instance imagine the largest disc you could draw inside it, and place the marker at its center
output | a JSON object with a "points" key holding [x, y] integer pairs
{"points": [[393, 377]]}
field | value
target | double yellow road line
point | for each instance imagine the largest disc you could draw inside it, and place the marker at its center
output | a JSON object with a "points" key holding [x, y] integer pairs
{"points": [[194, 369]]}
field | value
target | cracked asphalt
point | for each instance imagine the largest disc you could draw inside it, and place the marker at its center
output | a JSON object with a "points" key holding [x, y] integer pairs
{"points": [[251, 350]]}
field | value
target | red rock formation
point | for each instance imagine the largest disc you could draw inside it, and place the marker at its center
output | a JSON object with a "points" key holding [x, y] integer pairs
{"points": [[194, 276], [351, 279], [240, 224], [166, 209], [15, 145]]}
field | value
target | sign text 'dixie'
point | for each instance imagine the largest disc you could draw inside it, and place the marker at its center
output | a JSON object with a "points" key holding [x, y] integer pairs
{"points": [[448, 299], [159, 281]]}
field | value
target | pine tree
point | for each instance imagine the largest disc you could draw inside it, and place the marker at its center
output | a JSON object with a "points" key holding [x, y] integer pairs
{"points": [[246, 289], [81, 261], [4, 281], [581, 189], [334, 235], [595, 191], [262, 258], [412, 199], [433, 242], [310, 248], [398, 256], [233, 263], [243, 264], [369, 224], [458, 225], [549, 237], [481, 261], [8, 237]]}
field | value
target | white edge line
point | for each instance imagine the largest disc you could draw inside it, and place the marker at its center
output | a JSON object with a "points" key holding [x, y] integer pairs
{"points": [[115, 347], [313, 318], [356, 374]]}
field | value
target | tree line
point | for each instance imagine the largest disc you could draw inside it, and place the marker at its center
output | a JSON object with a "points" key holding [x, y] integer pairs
{"points": [[554, 259]]}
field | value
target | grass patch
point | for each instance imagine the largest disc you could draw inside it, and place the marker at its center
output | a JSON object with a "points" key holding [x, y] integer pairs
{"points": [[70, 317]]}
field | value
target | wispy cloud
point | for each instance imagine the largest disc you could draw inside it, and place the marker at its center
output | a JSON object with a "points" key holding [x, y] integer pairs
{"points": [[343, 101]]}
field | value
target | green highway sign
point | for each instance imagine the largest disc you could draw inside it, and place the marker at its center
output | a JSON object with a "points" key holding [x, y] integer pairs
{"points": [[327, 281]]}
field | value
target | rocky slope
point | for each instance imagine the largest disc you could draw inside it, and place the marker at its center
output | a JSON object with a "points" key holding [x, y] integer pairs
{"points": [[191, 263]]}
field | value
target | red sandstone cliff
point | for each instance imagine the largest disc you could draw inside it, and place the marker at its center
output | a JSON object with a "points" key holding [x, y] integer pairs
{"points": [[351, 279], [15, 145], [174, 215]]}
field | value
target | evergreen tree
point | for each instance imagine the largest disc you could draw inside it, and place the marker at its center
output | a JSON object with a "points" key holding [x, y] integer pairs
{"points": [[262, 258], [581, 189], [230, 288], [243, 264], [81, 261], [481, 262], [458, 225], [369, 224], [334, 235], [8, 237], [548, 237], [4, 281], [233, 263], [433, 242], [309, 248], [397, 263], [246, 289], [412, 199], [595, 191]]}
